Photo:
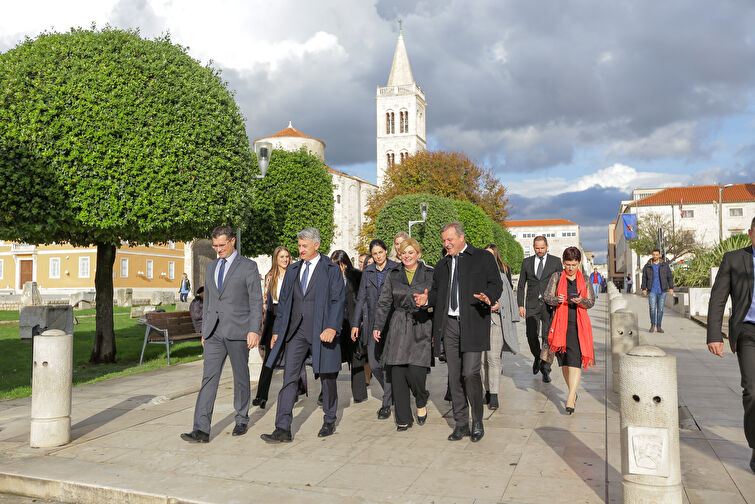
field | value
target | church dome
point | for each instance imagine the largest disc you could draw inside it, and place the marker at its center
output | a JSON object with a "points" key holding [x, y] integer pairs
{"points": [[291, 139]]}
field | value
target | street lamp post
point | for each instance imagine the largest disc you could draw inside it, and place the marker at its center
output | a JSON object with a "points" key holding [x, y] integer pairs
{"points": [[721, 212], [423, 210], [263, 150]]}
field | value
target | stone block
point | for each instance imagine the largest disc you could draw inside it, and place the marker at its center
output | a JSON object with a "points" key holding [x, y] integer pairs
{"points": [[163, 298], [182, 305], [82, 300], [30, 295], [140, 311], [124, 297], [37, 319]]}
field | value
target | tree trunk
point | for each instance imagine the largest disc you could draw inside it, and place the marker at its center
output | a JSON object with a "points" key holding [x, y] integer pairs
{"points": [[104, 337]]}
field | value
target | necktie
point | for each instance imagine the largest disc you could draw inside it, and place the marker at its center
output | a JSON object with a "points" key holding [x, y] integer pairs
{"points": [[305, 277], [455, 284], [539, 268], [221, 271]]}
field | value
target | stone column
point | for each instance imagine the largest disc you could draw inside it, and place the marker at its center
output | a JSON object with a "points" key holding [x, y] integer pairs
{"points": [[650, 462], [51, 389], [625, 335]]}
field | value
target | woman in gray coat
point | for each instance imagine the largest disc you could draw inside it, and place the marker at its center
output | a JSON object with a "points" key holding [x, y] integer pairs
{"points": [[408, 347]]}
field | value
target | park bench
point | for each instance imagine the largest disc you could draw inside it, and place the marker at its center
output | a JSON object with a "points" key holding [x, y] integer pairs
{"points": [[163, 328]]}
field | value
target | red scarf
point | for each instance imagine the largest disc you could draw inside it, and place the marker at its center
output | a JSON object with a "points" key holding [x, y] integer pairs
{"points": [[557, 333]]}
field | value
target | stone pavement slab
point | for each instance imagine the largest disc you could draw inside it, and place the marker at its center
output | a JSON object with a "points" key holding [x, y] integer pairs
{"points": [[126, 445]]}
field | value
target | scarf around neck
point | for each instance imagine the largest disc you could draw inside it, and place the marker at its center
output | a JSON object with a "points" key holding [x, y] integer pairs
{"points": [[557, 333]]}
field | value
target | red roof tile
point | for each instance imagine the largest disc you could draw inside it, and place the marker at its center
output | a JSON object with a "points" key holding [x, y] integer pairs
{"points": [[698, 194], [539, 222], [290, 131]]}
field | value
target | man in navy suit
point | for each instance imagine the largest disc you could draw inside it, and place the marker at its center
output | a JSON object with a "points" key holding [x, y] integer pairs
{"points": [[736, 278], [310, 316]]}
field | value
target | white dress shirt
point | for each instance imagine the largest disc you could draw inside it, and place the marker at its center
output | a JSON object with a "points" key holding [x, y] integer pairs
{"points": [[228, 262], [312, 264], [455, 313]]}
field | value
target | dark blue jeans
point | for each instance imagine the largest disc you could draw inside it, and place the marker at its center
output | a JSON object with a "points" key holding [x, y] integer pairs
{"points": [[656, 302]]}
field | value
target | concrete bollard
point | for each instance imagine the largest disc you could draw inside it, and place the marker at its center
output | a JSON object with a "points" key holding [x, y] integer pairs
{"points": [[51, 389], [617, 303], [625, 335], [650, 462]]}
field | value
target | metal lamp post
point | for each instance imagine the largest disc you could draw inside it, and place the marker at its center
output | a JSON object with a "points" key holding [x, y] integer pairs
{"points": [[721, 212], [423, 210], [263, 150]]}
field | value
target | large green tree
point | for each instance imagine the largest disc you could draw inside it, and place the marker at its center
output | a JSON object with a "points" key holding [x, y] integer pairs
{"points": [[678, 242], [107, 137]]}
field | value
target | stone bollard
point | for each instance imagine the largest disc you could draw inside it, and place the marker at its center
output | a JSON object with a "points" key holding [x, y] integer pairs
{"points": [[617, 303], [650, 462], [51, 389], [625, 335]]}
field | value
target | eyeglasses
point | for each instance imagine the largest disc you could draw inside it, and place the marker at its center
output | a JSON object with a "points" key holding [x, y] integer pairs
{"points": [[220, 245]]}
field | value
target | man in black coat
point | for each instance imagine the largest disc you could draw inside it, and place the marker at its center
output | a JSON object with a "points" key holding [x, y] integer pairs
{"points": [[735, 278], [534, 275], [464, 283]]}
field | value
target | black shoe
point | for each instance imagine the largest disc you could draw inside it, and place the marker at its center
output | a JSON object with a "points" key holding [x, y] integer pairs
{"points": [[493, 404], [447, 397], [402, 428], [752, 460], [536, 365], [256, 401], [196, 436], [384, 412], [569, 411], [319, 399], [546, 376], [278, 436], [422, 419], [327, 429], [477, 431], [240, 429], [263, 403], [357, 401], [459, 433], [486, 399]]}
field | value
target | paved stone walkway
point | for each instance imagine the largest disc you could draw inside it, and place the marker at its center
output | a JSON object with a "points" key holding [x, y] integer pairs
{"points": [[126, 445]]}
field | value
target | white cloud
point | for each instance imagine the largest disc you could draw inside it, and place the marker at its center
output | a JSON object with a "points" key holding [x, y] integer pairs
{"points": [[676, 139]]}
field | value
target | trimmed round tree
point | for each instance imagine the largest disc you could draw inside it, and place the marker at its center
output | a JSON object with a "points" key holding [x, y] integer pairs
{"points": [[477, 224], [296, 193], [107, 137]]}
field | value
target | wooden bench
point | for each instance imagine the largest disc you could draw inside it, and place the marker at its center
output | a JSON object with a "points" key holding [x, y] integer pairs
{"points": [[164, 328]]}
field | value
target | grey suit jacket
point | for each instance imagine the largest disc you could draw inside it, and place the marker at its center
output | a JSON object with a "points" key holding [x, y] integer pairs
{"points": [[237, 309]]}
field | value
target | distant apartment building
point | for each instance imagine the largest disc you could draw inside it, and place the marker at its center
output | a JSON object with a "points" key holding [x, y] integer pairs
{"points": [[560, 234]]}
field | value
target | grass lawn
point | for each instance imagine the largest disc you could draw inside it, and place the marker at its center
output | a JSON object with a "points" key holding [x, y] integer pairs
{"points": [[15, 356]]}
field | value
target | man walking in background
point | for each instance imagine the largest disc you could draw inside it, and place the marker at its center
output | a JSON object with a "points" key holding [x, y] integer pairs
{"points": [[596, 279], [657, 281]]}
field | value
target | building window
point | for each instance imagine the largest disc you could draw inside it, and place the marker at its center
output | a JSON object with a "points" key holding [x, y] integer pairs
{"points": [[124, 267], [526, 251], [390, 123], [150, 268], [55, 267], [338, 198], [390, 158], [569, 233], [403, 156], [404, 121], [735, 212], [83, 267], [2, 264], [171, 270], [688, 214]]}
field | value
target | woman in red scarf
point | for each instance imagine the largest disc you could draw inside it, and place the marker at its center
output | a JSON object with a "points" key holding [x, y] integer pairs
{"points": [[570, 335]]}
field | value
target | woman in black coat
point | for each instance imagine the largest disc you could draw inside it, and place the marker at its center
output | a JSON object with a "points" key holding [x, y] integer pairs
{"points": [[373, 279], [352, 352], [408, 346]]}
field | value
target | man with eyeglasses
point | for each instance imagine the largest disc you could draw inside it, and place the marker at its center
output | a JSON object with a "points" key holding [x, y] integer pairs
{"points": [[231, 322]]}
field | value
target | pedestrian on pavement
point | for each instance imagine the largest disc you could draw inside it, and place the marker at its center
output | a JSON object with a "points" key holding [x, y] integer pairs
{"points": [[362, 258], [534, 275], [352, 352], [196, 307], [373, 280], [230, 328], [465, 284], [310, 317], [596, 279], [408, 346], [629, 284], [736, 278], [185, 289], [394, 255], [570, 335], [657, 281], [271, 295], [503, 336]]}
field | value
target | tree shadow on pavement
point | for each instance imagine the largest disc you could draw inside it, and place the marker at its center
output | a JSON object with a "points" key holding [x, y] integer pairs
{"points": [[107, 415]]}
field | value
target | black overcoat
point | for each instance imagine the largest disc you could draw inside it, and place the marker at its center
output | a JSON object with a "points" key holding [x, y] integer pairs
{"points": [[364, 311], [478, 273]]}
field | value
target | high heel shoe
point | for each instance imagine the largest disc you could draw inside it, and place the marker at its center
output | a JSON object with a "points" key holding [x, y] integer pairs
{"points": [[570, 411], [421, 419]]}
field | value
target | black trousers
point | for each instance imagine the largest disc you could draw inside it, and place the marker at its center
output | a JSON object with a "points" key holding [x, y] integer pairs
{"points": [[463, 376], [538, 324], [358, 383], [746, 358], [405, 378]]}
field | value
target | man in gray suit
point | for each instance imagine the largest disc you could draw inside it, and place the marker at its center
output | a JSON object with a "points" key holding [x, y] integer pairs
{"points": [[231, 321], [310, 316]]}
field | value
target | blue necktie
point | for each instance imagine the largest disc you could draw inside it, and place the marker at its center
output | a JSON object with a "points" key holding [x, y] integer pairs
{"points": [[455, 284], [220, 274], [304, 277]]}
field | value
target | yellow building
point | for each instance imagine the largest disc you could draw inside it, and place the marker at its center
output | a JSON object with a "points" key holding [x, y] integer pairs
{"points": [[62, 268]]}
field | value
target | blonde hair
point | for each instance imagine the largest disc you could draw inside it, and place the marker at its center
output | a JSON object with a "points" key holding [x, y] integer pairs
{"points": [[409, 242]]}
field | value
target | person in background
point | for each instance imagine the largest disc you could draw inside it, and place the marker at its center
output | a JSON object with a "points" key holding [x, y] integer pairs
{"points": [[352, 352], [629, 284], [570, 335], [369, 261], [657, 281], [183, 291], [596, 279], [373, 280], [362, 258], [400, 237], [195, 310], [408, 348]]}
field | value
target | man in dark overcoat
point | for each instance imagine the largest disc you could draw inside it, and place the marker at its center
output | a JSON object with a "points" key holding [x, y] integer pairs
{"points": [[736, 278], [310, 318], [464, 283]]}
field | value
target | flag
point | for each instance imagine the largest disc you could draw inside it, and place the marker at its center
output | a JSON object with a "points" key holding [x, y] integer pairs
{"points": [[681, 206], [630, 226]]}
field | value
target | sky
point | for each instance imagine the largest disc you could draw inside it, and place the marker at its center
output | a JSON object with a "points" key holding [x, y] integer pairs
{"points": [[571, 104]]}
